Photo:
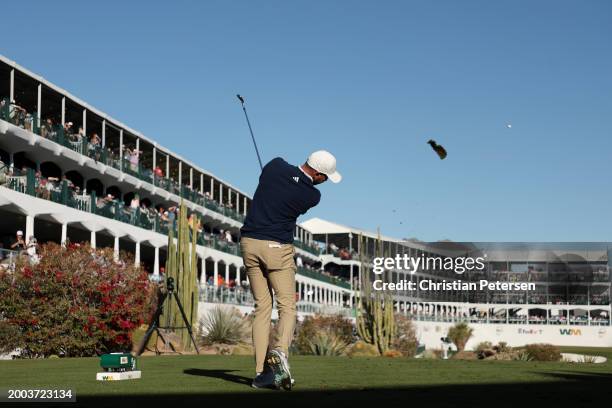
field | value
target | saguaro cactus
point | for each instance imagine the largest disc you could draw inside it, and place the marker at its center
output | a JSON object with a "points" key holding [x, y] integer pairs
{"points": [[181, 265], [375, 315]]}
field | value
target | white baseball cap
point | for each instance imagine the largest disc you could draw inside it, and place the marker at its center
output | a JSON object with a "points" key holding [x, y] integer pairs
{"points": [[324, 162], [20, 232]]}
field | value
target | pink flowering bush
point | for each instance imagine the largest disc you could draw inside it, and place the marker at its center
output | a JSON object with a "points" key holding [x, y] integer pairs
{"points": [[75, 301]]}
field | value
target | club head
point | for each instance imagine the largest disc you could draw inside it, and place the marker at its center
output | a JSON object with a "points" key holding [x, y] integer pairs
{"points": [[240, 98]]}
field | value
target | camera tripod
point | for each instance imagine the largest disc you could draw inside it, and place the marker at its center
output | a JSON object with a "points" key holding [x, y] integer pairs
{"points": [[154, 325]]}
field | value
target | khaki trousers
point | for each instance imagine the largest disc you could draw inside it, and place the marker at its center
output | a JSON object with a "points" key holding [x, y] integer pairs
{"points": [[271, 270]]}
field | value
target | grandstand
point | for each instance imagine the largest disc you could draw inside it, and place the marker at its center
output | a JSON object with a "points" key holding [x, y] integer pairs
{"points": [[70, 172], [569, 306]]}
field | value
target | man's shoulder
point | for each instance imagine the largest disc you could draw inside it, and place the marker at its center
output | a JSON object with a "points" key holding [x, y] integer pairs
{"points": [[277, 161], [278, 164]]}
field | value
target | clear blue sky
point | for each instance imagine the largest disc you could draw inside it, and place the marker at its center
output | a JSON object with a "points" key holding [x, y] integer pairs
{"points": [[371, 82]]}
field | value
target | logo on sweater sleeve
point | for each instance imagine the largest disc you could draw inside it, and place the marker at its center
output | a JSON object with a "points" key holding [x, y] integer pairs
{"points": [[296, 179]]}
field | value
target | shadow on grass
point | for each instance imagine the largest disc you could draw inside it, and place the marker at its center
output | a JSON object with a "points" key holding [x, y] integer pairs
{"points": [[221, 374], [564, 389]]}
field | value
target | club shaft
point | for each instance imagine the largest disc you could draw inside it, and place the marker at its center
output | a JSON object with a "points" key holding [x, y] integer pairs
{"points": [[252, 136]]}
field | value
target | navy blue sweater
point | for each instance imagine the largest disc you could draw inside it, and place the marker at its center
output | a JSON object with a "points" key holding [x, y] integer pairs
{"points": [[283, 194]]}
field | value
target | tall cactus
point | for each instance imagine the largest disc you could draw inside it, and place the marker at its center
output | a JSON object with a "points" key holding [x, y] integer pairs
{"points": [[181, 265], [375, 316]]}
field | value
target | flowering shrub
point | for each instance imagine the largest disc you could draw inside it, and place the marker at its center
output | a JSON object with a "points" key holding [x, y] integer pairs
{"points": [[335, 325], [75, 301]]}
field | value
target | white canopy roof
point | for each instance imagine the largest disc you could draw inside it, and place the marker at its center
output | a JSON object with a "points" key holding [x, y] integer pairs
{"points": [[320, 226]]}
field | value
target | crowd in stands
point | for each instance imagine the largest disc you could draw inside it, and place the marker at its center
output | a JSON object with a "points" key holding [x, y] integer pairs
{"points": [[138, 212], [342, 253], [129, 161]]}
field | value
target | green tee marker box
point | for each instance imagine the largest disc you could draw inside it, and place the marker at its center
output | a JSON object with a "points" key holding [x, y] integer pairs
{"points": [[118, 366]]}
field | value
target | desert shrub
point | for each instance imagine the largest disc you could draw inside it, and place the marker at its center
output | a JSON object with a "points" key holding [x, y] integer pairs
{"points": [[222, 325], [327, 343], [483, 345], [76, 301], [459, 334], [522, 355], [336, 325], [504, 356], [465, 355], [362, 349], [502, 347], [405, 340], [543, 352]]}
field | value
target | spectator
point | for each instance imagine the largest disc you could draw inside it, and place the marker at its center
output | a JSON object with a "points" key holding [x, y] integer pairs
{"points": [[3, 172], [32, 249], [228, 237], [17, 114], [19, 243], [68, 128], [95, 145], [135, 203], [299, 262]]}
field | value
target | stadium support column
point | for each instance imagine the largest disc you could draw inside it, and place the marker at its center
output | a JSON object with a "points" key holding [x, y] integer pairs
{"points": [[352, 289], [167, 166], [63, 110], [116, 248], [244, 206], [121, 149], [92, 239], [237, 275], [212, 188], [12, 86], [227, 274], [39, 104], [180, 177], [202, 183], [221, 193], [156, 263], [137, 255], [29, 230], [103, 132], [64, 233], [203, 273], [216, 274]]}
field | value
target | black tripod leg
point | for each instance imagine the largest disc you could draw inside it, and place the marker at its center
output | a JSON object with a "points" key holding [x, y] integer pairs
{"points": [[153, 324], [186, 321]]}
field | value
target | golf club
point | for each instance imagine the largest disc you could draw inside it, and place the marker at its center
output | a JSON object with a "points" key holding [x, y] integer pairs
{"points": [[241, 99]]}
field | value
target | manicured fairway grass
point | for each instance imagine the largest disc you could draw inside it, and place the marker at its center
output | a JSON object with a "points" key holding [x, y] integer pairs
{"points": [[178, 381]]}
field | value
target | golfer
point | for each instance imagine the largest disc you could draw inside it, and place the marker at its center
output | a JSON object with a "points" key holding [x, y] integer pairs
{"points": [[284, 193]]}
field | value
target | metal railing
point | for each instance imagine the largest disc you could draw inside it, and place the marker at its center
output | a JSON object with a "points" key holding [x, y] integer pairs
{"points": [[60, 193], [324, 278]]}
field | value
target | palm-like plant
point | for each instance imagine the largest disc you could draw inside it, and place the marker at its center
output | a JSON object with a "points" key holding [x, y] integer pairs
{"points": [[326, 343], [222, 325], [459, 334]]}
